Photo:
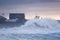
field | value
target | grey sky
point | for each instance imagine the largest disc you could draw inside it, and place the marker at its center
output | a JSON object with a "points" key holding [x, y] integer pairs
{"points": [[49, 8], [4, 2]]}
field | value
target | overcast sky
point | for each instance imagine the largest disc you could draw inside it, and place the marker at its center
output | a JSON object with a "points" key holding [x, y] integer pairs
{"points": [[31, 8]]}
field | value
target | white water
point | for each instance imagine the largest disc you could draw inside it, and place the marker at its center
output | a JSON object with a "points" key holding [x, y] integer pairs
{"points": [[34, 26]]}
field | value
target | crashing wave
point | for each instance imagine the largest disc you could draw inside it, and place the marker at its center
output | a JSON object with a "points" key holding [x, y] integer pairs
{"points": [[33, 26]]}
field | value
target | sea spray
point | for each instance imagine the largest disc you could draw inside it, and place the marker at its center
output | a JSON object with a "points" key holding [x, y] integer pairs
{"points": [[35, 26]]}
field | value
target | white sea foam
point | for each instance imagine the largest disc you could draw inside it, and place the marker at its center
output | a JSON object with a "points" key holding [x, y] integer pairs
{"points": [[33, 26]]}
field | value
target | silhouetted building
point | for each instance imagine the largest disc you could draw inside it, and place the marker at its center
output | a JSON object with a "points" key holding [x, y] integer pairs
{"points": [[20, 17], [17, 15], [2, 19]]}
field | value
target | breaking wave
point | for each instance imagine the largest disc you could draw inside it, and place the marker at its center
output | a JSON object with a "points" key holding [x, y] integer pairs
{"points": [[34, 26]]}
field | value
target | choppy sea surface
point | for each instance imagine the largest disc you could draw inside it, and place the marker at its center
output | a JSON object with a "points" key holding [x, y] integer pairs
{"points": [[53, 36], [36, 29]]}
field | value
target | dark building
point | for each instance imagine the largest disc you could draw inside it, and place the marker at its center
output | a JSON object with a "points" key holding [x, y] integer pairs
{"points": [[19, 16], [2, 19]]}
